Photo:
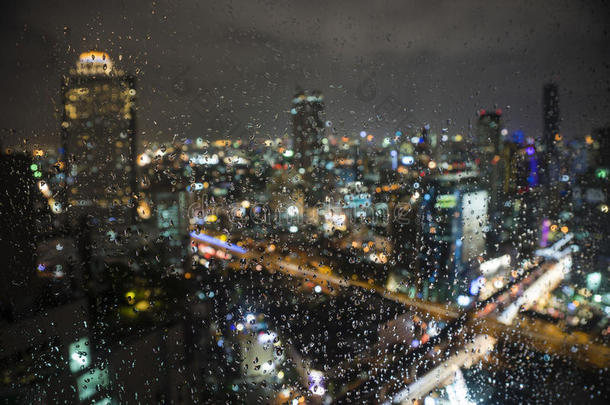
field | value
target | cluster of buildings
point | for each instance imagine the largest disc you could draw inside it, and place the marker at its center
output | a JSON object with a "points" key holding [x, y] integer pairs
{"points": [[110, 219]]}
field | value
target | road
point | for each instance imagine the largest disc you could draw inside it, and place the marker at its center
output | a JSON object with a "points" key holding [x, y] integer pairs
{"points": [[541, 335]]}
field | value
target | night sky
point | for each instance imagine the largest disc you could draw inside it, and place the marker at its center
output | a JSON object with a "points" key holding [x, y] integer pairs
{"points": [[218, 69]]}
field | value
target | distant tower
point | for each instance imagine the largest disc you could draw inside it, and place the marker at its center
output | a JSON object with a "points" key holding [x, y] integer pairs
{"points": [[489, 142], [550, 131], [307, 126], [98, 139]]}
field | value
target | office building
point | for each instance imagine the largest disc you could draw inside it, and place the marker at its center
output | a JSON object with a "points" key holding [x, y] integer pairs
{"points": [[98, 140]]}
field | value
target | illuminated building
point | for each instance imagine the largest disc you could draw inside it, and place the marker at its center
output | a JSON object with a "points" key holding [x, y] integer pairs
{"points": [[591, 201], [519, 193], [454, 227], [98, 138]]}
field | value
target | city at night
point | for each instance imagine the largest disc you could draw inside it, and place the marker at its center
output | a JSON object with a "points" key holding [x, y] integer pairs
{"points": [[348, 202]]}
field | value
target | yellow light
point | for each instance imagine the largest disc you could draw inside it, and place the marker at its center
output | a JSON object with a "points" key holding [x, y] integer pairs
{"points": [[211, 218], [94, 62], [588, 139], [245, 204], [223, 238], [142, 305], [554, 228], [130, 296], [188, 275], [432, 165], [558, 137], [280, 374], [94, 55], [564, 229], [458, 138], [144, 210]]}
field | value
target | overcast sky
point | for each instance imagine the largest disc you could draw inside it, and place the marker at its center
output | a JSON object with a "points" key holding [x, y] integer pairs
{"points": [[239, 62]]}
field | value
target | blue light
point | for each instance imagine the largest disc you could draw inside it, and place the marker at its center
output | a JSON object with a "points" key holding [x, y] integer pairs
{"points": [[427, 197], [530, 150], [217, 242], [362, 134], [398, 133], [476, 284], [393, 153], [518, 136]]}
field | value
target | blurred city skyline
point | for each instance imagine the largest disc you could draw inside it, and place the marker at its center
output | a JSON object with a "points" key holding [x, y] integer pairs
{"points": [[241, 62]]}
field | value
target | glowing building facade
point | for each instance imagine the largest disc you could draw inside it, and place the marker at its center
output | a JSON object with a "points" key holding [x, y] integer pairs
{"points": [[98, 138]]}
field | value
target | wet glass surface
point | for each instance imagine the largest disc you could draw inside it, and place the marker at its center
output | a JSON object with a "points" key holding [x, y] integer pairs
{"points": [[304, 203]]}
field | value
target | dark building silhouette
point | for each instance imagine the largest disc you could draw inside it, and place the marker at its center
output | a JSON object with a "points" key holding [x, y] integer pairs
{"points": [[550, 131], [307, 125], [23, 214], [491, 164]]}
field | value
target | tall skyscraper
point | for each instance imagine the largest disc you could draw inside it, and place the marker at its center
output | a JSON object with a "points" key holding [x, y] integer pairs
{"points": [[550, 161], [307, 124], [550, 131], [489, 141], [98, 139]]}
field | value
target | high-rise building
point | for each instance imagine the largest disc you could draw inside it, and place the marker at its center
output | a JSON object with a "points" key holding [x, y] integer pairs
{"points": [[98, 139], [307, 124], [550, 131], [453, 221], [489, 142]]}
